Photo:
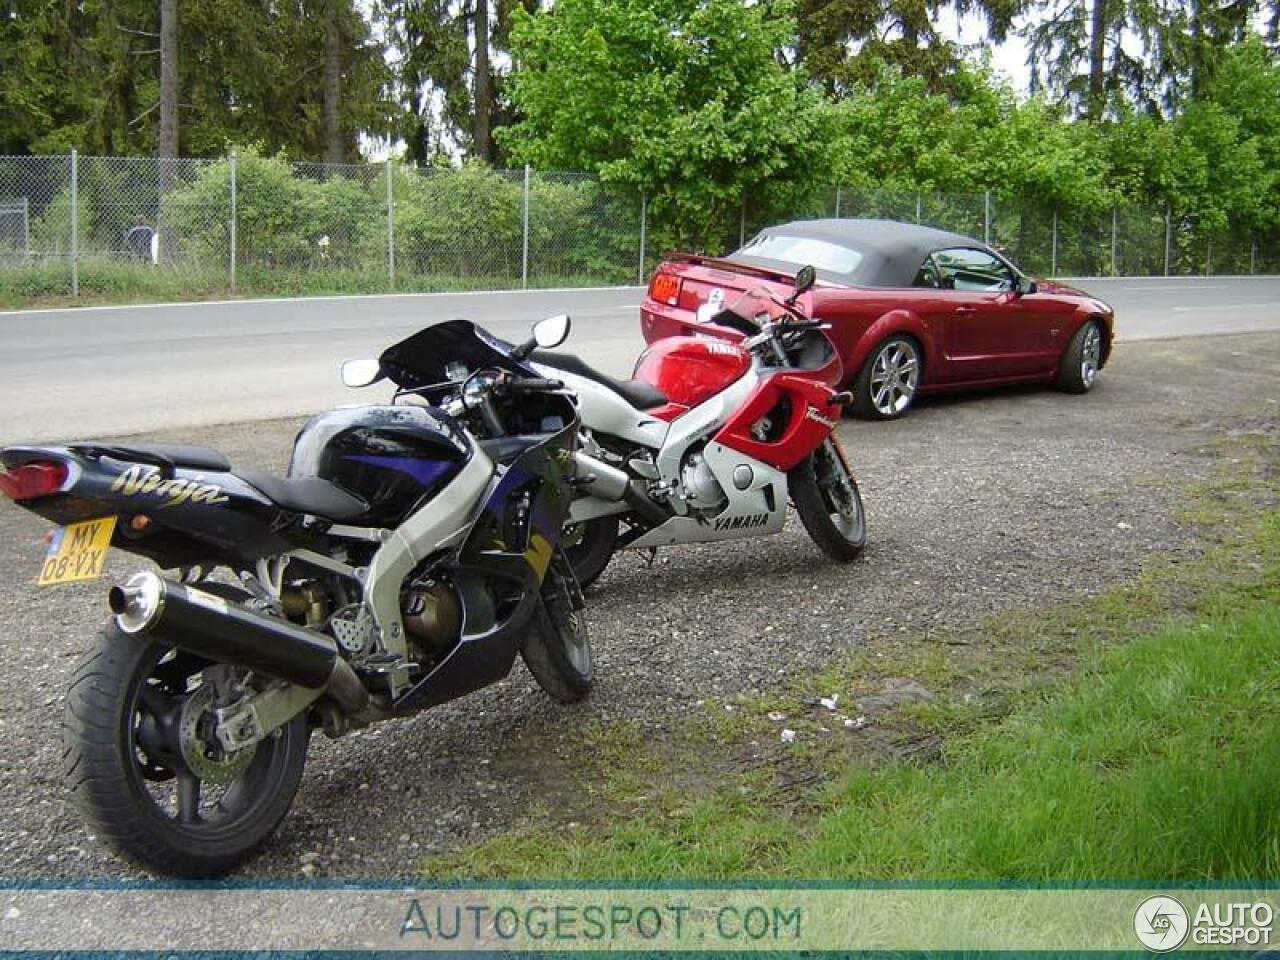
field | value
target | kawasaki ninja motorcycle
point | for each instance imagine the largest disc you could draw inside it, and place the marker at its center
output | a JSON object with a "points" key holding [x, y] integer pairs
{"points": [[408, 554]]}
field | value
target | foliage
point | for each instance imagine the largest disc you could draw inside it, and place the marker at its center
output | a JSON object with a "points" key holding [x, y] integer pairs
{"points": [[85, 75], [681, 100]]}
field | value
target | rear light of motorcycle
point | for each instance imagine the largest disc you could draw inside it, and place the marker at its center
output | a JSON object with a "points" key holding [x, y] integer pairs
{"points": [[665, 287], [31, 480]]}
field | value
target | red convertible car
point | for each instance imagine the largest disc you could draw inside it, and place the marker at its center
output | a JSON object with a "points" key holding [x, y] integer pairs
{"points": [[913, 310]]}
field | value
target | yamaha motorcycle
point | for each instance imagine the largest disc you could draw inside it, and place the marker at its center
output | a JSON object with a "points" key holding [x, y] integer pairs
{"points": [[411, 550], [712, 438]]}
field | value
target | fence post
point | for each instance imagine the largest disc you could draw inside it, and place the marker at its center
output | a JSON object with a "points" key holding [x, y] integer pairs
{"points": [[524, 242], [75, 224], [391, 228], [231, 166], [26, 230], [1053, 260], [1115, 226], [742, 224], [1208, 256], [837, 201], [986, 217], [644, 211], [917, 208], [1253, 254], [1168, 236]]}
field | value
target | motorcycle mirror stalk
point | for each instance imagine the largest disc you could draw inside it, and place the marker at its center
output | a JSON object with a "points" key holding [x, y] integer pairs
{"points": [[548, 333]]}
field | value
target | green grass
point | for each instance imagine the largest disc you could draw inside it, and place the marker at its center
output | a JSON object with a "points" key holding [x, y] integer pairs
{"points": [[1134, 736], [108, 281]]}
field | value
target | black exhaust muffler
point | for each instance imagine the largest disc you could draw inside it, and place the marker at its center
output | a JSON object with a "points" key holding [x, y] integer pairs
{"points": [[180, 616]]}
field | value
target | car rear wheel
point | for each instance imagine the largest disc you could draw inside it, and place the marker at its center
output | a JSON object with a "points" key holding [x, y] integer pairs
{"points": [[886, 385], [1083, 359]]}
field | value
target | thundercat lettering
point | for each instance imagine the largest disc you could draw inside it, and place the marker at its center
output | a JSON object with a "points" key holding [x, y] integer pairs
{"points": [[140, 480], [742, 523]]}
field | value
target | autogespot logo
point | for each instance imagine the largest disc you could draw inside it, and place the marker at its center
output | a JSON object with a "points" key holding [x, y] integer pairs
{"points": [[1161, 924]]}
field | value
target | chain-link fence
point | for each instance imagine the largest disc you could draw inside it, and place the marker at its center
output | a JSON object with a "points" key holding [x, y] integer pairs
{"points": [[138, 228]]}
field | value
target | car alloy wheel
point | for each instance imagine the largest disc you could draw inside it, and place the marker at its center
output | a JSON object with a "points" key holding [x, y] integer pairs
{"points": [[1090, 356], [894, 375]]}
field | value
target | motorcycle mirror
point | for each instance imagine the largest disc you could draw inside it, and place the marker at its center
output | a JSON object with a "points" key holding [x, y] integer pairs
{"points": [[361, 373], [552, 331], [805, 279]]}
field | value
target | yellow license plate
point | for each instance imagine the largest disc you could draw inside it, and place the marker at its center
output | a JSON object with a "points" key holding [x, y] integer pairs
{"points": [[77, 552]]}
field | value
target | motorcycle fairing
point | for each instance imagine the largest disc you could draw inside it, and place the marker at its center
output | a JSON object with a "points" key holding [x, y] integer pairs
{"points": [[807, 407], [504, 553], [225, 520]]}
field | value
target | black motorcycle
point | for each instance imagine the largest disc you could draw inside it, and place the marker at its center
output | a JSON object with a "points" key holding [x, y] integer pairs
{"points": [[411, 550]]}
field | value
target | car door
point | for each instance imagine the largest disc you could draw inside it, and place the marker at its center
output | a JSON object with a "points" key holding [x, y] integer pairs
{"points": [[989, 332]]}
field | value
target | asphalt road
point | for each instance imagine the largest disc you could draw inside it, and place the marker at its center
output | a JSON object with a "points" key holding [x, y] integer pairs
{"points": [[105, 371]]}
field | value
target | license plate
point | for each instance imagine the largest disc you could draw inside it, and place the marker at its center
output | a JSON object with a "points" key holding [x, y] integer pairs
{"points": [[77, 552]]}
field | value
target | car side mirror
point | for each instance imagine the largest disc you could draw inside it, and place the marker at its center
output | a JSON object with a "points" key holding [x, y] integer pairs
{"points": [[1024, 285], [806, 277], [361, 373]]}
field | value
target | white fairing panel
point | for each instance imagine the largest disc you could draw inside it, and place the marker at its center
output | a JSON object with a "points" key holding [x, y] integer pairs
{"points": [[603, 411], [758, 509]]}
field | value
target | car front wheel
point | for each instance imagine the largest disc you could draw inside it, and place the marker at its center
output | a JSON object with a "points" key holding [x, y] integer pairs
{"points": [[886, 385], [1083, 359]]}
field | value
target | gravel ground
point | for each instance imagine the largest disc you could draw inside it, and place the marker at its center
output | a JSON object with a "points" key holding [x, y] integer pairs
{"points": [[975, 505]]}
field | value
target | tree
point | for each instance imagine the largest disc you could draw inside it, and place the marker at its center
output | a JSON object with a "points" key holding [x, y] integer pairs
{"points": [[1155, 54], [482, 98], [844, 42], [89, 75], [684, 100]]}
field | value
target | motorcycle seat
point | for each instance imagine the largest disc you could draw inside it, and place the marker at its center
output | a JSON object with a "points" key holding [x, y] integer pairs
{"points": [[311, 495], [176, 454], [638, 393]]}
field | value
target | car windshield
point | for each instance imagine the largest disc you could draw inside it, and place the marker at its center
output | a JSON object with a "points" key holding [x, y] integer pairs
{"points": [[784, 248]]}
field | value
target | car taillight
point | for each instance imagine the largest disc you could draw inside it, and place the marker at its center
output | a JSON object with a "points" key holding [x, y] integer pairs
{"points": [[33, 480], [665, 287]]}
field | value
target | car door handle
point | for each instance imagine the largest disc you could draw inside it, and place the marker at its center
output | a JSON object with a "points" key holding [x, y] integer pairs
{"points": [[966, 310]]}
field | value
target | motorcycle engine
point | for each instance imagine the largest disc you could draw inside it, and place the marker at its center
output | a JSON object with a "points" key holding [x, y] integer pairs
{"points": [[432, 619], [701, 488]]}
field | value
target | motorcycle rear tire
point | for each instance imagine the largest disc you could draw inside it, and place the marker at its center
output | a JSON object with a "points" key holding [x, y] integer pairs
{"points": [[594, 549], [107, 771]]}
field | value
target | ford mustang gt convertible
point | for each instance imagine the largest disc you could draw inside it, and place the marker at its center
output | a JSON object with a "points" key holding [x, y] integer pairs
{"points": [[912, 310]]}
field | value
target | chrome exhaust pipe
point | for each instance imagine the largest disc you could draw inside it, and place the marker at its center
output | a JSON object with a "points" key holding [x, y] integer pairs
{"points": [[198, 622]]}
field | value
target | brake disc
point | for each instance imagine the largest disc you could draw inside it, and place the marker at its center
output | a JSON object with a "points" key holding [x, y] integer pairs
{"points": [[221, 767]]}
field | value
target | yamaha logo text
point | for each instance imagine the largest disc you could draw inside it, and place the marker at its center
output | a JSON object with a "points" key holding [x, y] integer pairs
{"points": [[742, 523]]}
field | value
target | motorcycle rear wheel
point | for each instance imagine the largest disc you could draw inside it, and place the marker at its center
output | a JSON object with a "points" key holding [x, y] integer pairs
{"points": [[557, 650], [592, 547], [829, 503], [123, 764]]}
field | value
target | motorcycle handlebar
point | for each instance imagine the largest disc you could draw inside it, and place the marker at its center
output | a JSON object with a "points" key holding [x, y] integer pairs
{"points": [[532, 384]]}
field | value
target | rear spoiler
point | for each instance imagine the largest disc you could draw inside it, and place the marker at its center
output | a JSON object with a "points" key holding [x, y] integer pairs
{"points": [[732, 266]]}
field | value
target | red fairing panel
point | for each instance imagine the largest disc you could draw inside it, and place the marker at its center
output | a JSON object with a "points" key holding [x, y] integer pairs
{"points": [[812, 418], [691, 369]]}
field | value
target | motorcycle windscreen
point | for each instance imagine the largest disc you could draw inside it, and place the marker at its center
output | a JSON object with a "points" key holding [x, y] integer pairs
{"points": [[424, 358]]}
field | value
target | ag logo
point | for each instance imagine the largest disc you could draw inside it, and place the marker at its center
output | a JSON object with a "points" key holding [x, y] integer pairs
{"points": [[1161, 924]]}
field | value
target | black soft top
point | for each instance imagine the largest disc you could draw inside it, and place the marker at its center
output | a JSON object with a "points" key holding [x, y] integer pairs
{"points": [[891, 252]]}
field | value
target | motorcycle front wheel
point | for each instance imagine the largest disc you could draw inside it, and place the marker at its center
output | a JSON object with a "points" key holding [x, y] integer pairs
{"points": [[138, 767], [557, 649], [829, 503]]}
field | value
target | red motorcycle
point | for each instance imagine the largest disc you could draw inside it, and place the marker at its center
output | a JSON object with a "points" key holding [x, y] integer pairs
{"points": [[711, 439]]}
